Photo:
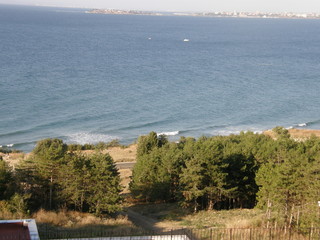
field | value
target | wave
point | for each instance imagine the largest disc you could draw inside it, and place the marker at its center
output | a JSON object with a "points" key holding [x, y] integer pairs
{"points": [[89, 138], [217, 126], [236, 130], [306, 124], [15, 133], [7, 145], [297, 125], [143, 125], [36, 128], [225, 132], [174, 133]]}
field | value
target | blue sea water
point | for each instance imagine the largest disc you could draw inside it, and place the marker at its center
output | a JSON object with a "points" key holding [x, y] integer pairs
{"points": [[87, 77]]}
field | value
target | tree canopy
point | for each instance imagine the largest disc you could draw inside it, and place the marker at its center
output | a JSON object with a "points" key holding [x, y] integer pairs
{"points": [[55, 177], [248, 170]]}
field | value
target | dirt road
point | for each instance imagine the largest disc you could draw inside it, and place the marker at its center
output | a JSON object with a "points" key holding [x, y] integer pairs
{"points": [[144, 222], [125, 165]]}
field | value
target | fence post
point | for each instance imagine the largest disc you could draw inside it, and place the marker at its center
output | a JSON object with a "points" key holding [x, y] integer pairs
{"points": [[310, 234], [289, 233], [230, 233], [270, 234]]}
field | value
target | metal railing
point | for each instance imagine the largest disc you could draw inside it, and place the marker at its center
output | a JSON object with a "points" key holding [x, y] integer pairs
{"points": [[187, 234]]}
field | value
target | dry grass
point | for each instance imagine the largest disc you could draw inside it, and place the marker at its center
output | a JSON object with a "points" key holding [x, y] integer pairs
{"points": [[69, 223], [303, 133], [298, 134], [77, 219], [237, 218], [172, 216], [13, 158], [65, 224], [120, 154], [5, 214]]}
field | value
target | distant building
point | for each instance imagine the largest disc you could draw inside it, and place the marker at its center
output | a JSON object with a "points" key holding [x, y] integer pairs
{"points": [[25, 229]]}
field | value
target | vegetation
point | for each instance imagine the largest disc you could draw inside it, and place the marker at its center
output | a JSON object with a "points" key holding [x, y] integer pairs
{"points": [[98, 146], [53, 178], [276, 176], [74, 223], [8, 150], [174, 217], [279, 176]]}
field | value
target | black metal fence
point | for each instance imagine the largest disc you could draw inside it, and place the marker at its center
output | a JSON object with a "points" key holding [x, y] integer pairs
{"points": [[132, 234], [194, 234], [256, 234], [182, 234]]}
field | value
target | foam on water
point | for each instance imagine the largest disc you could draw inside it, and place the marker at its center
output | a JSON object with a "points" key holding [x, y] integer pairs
{"points": [[89, 138], [174, 133], [236, 130], [101, 81], [7, 145]]}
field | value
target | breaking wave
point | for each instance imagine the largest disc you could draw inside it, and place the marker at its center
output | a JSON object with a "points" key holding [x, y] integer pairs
{"points": [[174, 133], [89, 138], [7, 145], [235, 131]]}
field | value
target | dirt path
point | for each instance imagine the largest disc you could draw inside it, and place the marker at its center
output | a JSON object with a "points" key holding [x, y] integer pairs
{"points": [[125, 165], [144, 222]]}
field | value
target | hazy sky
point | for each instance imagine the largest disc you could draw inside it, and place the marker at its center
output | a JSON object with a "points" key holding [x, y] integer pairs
{"points": [[184, 5]]}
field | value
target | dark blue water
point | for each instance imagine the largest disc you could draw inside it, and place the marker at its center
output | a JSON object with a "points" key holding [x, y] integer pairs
{"points": [[88, 78]]}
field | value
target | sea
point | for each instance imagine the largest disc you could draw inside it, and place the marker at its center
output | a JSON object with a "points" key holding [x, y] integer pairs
{"points": [[86, 78]]}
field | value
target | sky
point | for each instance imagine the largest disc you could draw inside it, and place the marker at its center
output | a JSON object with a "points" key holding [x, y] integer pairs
{"points": [[298, 6]]}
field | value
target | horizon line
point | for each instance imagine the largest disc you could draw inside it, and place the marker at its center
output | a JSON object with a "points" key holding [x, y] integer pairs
{"points": [[159, 11]]}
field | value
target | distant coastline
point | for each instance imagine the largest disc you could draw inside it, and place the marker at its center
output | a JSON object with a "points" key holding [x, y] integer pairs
{"points": [[285, 15]]}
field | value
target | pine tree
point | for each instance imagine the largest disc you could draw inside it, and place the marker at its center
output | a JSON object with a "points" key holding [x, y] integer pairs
{"points": [[103, 185], [74, 181], [6, 181], [48, 156], [191, 181], [147, 143]]}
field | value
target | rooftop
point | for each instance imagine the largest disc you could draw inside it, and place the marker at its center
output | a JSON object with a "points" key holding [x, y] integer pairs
{"points": [[25, 229]]}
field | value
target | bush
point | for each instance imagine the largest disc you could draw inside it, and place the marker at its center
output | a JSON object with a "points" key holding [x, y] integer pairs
{"points": [[8, 150], [74, 147], [88, 146]]}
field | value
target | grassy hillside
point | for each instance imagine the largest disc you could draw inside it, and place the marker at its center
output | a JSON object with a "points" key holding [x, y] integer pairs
{"points": [[172, 216]]}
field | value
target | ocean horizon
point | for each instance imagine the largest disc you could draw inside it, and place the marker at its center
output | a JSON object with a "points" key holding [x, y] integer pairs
{"points": [[87, 78]]}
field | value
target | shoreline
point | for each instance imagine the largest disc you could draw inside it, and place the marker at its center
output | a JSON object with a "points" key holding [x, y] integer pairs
{"points": [[128, 155], [295, 133], [224, 14]]}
